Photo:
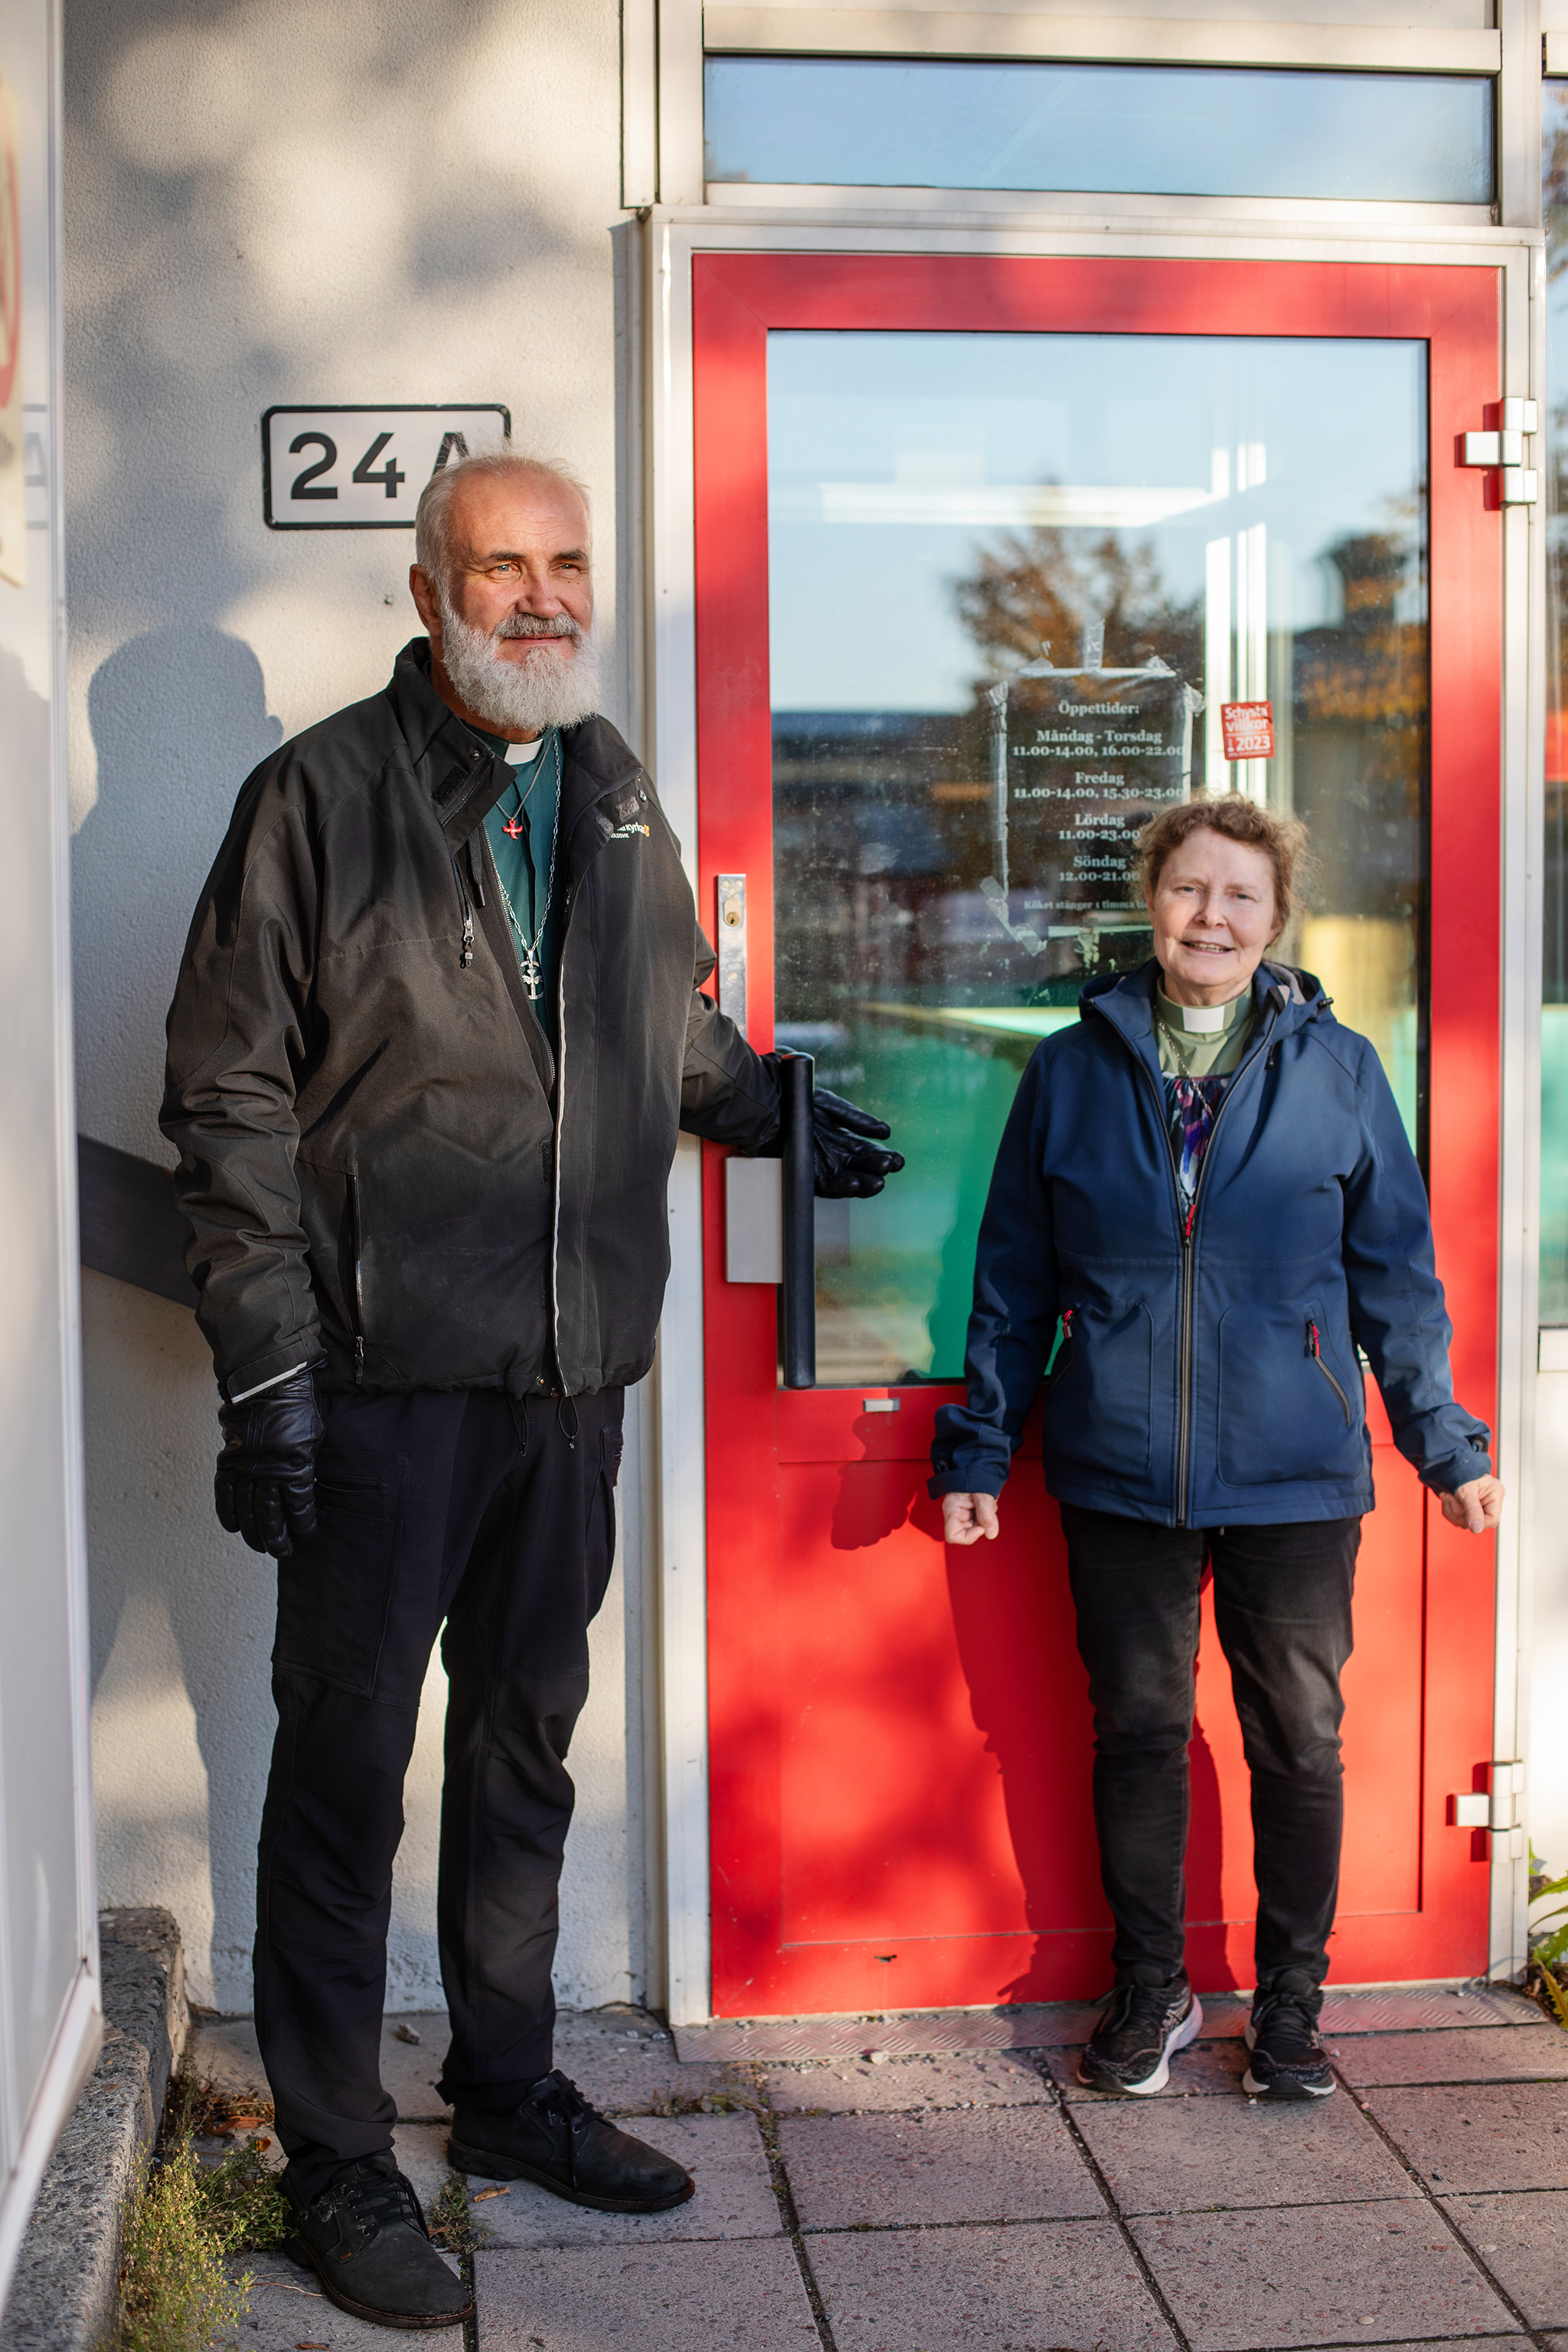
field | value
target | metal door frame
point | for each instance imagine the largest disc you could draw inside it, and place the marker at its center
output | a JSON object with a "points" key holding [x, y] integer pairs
{"points": [[672, 237]]}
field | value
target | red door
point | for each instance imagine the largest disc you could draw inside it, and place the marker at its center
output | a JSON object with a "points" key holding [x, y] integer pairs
{"points": [[1236, 478]]}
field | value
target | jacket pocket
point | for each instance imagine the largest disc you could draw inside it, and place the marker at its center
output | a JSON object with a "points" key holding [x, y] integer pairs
{"points": [[1099, 1400], [334, 1590], [1287, 1406]]}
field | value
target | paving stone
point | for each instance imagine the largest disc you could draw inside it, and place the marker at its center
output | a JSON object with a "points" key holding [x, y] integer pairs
{"points": [[1205, 2070], [1189, 2156], [287, 2309], [678, 2298], [1012, 2164], [624, 2062], [1503, 2135], [989, 2079], [725, 2157], [619, 2057], [1524, 2241], [1527, 2054], [422, 2156], [222, 2051], [1380, 2274], [409, 2069], [1043, 2284]]}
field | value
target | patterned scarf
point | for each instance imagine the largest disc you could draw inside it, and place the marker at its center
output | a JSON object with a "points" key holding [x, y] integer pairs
{"points": [[1193, 1106]]}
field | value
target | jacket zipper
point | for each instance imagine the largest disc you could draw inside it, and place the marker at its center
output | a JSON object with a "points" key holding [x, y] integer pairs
{"points": [[559, 1131], [359, 1279], [1316, 1353], [465, 955], [1188, 1224]]}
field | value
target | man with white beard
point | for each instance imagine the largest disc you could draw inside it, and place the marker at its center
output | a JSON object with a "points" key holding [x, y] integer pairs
{"points": [[438, 1024]]}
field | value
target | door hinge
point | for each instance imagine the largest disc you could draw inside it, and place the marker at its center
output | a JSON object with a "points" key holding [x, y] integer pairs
{"points": [[1519, 485]]}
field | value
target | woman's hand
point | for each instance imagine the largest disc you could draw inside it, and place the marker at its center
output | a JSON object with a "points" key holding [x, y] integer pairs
{"points": [[1476, 1506], [966, 1518]]}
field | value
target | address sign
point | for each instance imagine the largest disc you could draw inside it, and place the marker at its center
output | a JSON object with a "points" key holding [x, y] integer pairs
{"points": [[363, 468]]}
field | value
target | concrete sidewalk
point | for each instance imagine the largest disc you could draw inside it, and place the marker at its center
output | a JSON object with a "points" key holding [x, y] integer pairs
{"points": [[964, 2199]]}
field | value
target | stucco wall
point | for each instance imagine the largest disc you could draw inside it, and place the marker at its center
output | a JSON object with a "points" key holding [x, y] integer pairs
{"points": [[269, 201]]}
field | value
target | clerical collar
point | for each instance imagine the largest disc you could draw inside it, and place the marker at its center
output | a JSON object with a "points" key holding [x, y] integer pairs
{"points": [[1203, 1020], [516, 755]]}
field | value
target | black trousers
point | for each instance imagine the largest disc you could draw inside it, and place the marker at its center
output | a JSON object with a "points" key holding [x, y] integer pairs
{"points": [[498, 1516], [1282, 1608]]}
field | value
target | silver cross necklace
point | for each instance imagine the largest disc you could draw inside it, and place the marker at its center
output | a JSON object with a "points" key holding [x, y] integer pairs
{"points": [[528, 950]]}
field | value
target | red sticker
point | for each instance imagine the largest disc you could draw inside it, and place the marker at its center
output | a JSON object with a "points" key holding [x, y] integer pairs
{"points": [[1247, 730]]}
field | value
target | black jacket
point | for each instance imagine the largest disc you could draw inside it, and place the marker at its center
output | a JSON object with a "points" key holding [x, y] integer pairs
{"points": [[388, 1170]]}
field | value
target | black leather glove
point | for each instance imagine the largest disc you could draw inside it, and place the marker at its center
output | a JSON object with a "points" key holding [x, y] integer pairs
{"points": [[265, 1488], [848, 1166]]}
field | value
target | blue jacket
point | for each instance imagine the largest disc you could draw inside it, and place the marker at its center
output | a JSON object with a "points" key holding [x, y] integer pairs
{"points": [[1207, 1378]]}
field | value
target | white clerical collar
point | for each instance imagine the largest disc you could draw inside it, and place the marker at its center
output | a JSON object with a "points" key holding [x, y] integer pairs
{"points": [[517, 755], [1201, 1019]]}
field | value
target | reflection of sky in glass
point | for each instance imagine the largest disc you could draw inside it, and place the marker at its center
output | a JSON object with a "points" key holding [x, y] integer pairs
{"points": [[1150, 129], [1554, 978], [863, 426]]}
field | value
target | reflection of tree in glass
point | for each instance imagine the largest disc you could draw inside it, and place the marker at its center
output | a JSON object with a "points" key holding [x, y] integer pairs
{"points": [[1043, 586], [1361, 698]]}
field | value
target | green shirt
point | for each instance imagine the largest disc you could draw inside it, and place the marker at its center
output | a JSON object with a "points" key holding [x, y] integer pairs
{"points": [[1202, 1052], [522, 860]]}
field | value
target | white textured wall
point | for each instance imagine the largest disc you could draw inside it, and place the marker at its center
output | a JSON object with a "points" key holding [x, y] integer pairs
{"points": [[269, 201]]}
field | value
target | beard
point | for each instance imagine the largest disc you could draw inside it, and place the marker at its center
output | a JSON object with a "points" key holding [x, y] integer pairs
{"points": [[555, 686]]}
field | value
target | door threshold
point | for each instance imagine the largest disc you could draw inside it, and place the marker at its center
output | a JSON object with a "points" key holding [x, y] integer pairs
{"points": [[1045, 2025]]}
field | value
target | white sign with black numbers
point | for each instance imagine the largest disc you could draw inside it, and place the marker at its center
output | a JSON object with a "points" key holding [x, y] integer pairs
{"points": [[363, 468]]}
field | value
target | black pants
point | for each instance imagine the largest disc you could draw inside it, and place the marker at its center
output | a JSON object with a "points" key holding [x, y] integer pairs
{"points": [[498, 1516], [1282, 1608]]}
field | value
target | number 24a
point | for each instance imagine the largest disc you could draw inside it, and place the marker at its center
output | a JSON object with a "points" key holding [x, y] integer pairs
{"points": [[306, 485]]}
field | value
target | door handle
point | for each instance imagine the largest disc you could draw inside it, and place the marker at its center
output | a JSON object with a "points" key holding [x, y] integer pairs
{"points": [[797, 1076]]}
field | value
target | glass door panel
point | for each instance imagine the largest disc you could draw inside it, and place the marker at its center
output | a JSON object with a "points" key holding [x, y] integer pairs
{"points": [[1024, 590]]}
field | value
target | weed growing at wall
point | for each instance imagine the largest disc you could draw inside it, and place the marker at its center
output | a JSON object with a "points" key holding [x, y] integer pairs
{"points": [[1548, 1975], [186, 2224]]}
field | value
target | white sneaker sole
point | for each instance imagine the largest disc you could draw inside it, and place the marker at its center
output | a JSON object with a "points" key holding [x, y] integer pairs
{"points": [[1191, 2026]]}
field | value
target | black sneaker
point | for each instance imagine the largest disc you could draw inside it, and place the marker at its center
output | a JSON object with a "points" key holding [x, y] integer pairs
{"points": [[1128, 2052], [365, 2238], [556, 2138], [1288, 2061]]}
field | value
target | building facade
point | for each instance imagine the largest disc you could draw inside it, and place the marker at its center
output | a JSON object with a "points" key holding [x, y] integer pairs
{"points": [[956, 387]]}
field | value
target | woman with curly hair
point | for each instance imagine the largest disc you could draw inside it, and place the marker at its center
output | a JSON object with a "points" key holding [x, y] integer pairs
{"points": [[1203, 1204]]}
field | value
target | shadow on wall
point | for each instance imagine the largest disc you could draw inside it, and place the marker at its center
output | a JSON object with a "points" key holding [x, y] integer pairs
{"points": [[167, 712], [183, 1647]]}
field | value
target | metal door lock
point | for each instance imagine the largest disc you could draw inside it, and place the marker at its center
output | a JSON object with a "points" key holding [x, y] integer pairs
{"points": [[732, 948], [1519, 485]]}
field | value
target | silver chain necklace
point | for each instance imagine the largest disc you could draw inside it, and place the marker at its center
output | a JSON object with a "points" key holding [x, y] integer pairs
{"points": [[528, 949]]}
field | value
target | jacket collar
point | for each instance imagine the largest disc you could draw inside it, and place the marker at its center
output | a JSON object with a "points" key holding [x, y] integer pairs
{"points": [[465, 779], [1287, 998]]}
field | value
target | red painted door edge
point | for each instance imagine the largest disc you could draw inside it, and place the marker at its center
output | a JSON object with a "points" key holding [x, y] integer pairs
{"points": [[737, 299]]}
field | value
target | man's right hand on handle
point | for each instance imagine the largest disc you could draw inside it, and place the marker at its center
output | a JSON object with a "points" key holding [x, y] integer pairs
{"points": [[966, 1518], [265, 1486]]}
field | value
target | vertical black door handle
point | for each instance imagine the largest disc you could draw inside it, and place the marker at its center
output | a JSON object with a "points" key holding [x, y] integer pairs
{"points": [[798, 1074]]}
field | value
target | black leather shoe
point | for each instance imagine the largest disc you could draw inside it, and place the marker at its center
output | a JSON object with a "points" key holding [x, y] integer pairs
{"points": [[556, 2138], [365, 2238]]}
